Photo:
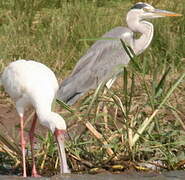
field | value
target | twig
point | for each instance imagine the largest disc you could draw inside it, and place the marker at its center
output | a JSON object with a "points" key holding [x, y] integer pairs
{"points": [[99, 137], [145, 123], [87, 163]]}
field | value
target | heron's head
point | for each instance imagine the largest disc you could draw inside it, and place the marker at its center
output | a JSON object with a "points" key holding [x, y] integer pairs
{"points": [[142, 11]]}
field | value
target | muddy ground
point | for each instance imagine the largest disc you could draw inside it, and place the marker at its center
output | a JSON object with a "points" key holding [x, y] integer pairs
{"points": [[9, 122], [173, 175]]}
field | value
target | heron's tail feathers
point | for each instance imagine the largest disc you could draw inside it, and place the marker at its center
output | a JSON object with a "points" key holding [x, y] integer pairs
{"points": [[75, 86], [69, 91], [68, 96], [69, 100]]}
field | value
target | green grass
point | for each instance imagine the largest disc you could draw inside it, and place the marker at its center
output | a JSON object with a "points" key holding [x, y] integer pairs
{"points": [[51, 32]]}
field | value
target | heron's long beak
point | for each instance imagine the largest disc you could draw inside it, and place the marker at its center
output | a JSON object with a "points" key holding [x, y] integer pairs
{"points": [[60, 137], [164, 13]]}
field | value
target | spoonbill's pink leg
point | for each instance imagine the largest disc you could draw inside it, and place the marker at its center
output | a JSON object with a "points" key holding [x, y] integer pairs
{"points": [[23, 144], [31, 134]]}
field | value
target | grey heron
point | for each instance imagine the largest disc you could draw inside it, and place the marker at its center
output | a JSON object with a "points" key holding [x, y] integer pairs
{"points": [[99, 63]]}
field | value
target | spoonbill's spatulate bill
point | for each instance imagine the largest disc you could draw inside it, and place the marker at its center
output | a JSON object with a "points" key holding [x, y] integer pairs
{"points": [[100, 63], [32, 83]]}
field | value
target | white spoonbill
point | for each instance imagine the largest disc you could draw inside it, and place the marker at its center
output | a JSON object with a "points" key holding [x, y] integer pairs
{"points": [[32, 83]]}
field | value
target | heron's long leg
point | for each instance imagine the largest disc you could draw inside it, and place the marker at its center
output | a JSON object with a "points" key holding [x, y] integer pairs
{"points": [[31, 134], [23, 144]]}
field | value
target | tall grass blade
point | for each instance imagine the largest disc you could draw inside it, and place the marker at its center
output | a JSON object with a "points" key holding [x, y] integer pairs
{"points": [[147, 121], [131, 55], [64, 105], [94, 97], [161, 82]]}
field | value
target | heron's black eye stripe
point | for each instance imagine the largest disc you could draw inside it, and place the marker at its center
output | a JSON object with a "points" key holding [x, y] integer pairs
{"points": [[139, 6]]}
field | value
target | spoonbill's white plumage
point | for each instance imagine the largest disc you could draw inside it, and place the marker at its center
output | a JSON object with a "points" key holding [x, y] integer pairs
{"points": [[32, 83]]}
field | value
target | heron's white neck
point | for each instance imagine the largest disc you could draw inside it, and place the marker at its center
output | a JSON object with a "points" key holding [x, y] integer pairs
{"points": [[146, 29]]}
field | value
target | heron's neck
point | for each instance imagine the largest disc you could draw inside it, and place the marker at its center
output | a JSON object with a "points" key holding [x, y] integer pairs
{"points": [[146, 29]]}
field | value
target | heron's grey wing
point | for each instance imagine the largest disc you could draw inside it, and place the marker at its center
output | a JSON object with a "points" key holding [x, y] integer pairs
{"points": [[71, 88], [100, 63], [117, 33]]}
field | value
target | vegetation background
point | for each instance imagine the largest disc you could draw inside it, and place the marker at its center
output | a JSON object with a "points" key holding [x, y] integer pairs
{"points": [[142, 117]]}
